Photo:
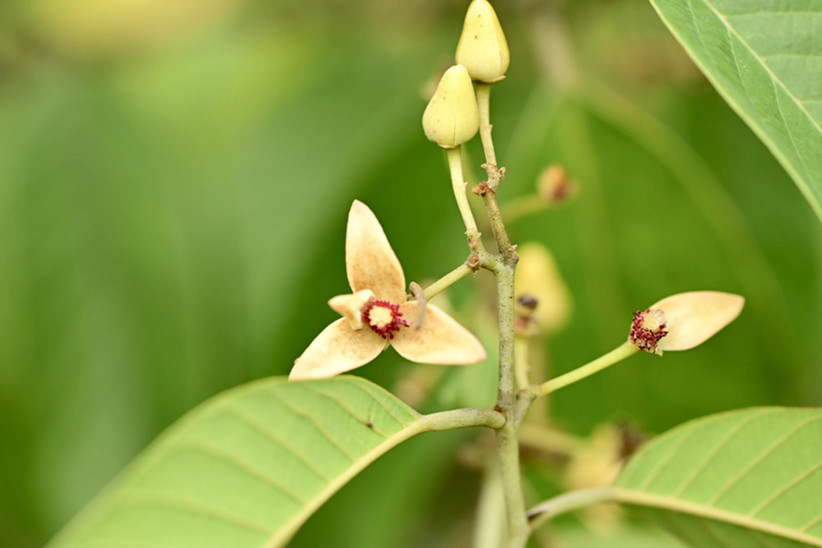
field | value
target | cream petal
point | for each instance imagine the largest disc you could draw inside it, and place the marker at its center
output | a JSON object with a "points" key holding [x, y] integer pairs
{"points": [[350, 306], [337, 349], [440, 340], [694, 317], [369, 260]]}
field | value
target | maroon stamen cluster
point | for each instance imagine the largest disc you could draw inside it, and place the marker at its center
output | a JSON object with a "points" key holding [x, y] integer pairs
{"points": [[643, 337], [387, 331]]}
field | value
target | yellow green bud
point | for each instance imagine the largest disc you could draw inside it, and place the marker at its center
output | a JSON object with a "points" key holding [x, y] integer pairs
{"points": [[452, 117], [482, 48]]}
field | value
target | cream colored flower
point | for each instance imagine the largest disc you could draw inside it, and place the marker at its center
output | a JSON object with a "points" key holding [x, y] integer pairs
{"points": [[684, 320], [377, 314]]}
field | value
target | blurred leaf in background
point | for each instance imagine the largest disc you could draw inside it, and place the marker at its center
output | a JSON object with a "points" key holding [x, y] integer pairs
{"points": [[174, 181]]}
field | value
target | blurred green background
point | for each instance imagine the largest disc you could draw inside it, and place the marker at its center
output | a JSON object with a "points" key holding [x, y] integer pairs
{"points": [[174, 184]]}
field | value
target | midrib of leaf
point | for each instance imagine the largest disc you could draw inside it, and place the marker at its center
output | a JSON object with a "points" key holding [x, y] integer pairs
{"points": [[167, 445], [774, 78], [627, 496], [219, 475], [297, 521]]}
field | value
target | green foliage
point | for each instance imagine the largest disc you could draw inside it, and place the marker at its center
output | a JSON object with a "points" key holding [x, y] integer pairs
{"points": [[246, 468], [742, 478], [765, 58], [171, 224]]}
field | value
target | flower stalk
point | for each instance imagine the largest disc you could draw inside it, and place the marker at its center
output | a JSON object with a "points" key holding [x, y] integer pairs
{"points": [[616, 355], [458, 183], [447, 281], [483, 92]]}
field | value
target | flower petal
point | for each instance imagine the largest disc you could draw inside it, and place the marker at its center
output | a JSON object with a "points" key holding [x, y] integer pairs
{"points": [[350, 306], [440, 340], [337, 349], [369, 260], [694, 317]]}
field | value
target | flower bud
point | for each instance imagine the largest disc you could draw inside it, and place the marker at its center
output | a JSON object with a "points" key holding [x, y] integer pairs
{"points": [[482, 48], [538, 277], [554, 186], [683, 321], [452, 117]]}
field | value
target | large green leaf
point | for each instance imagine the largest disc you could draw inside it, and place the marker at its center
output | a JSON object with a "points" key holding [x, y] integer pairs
{"points": [[248, 467], [743, 478], [765, 58]]}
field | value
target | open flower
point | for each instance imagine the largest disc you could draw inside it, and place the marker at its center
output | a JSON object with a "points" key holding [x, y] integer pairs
{"points": [[377, 314]]}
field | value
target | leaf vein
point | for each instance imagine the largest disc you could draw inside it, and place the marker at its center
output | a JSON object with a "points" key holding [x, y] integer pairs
{"points": [[318, 427], [788, 130], [754, 463], [667, 460], [787, 487], [344, 407], [811, 524], [241, 465], [180, 503], [367, 389], [722, 443], [723, 19], [269, 434]]}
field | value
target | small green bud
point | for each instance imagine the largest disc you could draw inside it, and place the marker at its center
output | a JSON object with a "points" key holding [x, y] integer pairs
{"points": [[452, 117], [482, 48]]}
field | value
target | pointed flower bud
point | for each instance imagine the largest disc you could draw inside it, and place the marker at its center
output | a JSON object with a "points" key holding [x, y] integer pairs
{"points": [[683, 321], [482, 48], [452, 117]]}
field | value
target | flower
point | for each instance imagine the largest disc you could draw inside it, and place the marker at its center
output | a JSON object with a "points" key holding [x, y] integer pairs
{"points": [[684, 320], [377, 313]]}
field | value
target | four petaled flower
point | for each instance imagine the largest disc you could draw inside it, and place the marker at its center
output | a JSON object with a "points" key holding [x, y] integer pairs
{"points": [[377, 313]]}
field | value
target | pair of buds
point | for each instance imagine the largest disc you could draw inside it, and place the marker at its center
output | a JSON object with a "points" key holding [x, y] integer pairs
{"points": [[452, 116]]}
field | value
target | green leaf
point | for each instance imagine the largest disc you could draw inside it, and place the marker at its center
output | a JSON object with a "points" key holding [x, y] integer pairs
{"points": [[765, 59], [248, 467], [744, 478]]}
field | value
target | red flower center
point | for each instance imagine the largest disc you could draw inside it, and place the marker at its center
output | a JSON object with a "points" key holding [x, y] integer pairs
{"points": [[383, 318], [647, 329]]}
